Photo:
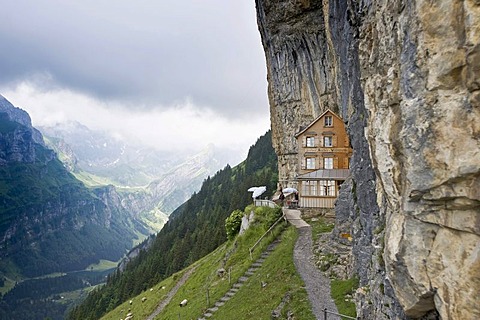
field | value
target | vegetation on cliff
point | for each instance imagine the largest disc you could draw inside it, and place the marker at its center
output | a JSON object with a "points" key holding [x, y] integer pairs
{"points": [[275, 286], [49, 221], [195, 229]]}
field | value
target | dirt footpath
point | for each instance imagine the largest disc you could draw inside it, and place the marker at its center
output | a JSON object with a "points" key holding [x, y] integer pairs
{"points": [[317, 285]]}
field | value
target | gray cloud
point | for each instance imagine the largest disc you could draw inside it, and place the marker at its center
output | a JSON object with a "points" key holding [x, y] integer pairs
{"points": [[143, 52]]}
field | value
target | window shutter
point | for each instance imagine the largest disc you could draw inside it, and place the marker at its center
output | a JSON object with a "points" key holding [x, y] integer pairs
{"points": [[345, 163], [334, 141], [304, 142], [320, 163], [335, 163], [347, 141]]}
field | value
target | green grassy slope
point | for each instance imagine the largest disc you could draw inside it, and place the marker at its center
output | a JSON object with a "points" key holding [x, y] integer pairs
{"points": [[252, 301], [194, 230]]}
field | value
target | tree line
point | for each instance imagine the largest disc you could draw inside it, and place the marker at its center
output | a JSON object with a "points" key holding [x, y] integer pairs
{"points": [[195, 229]]}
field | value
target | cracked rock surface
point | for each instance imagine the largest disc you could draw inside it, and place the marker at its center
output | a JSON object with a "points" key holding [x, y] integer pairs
{"points": [[405, 77]]}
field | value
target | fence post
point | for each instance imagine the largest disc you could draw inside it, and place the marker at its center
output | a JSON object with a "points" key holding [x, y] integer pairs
{"points": [[324, 313]]}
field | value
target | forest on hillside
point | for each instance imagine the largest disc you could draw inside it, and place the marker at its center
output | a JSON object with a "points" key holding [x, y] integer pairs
{"points": [[196, 228]]}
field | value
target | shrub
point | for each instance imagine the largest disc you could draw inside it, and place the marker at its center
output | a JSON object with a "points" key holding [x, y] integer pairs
{"points": [[273, 215], [233, 223]]}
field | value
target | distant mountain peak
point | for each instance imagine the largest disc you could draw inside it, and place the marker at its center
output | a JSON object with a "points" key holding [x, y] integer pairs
{"points": [[20, 116]]}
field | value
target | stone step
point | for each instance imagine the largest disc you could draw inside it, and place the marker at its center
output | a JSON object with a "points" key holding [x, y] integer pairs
{"points": [[253, 268], [272, 245]]}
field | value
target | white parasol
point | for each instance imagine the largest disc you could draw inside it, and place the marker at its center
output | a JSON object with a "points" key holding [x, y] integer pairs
{"points": [[259, 191], [289, 190]]}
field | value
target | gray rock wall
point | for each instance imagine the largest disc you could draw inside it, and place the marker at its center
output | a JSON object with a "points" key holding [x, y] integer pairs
{"points": [[420, 79], [404, 76]]}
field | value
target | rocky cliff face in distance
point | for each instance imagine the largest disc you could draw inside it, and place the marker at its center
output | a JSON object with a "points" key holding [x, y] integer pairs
{"points": [[404, 75], [49, 221], [18, 139]]}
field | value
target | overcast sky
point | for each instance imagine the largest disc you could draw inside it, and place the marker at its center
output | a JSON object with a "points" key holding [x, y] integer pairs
{"points": [[168, 72]]}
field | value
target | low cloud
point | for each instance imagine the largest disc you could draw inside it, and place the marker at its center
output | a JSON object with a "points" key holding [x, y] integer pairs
{"points": [[178, 127], [146, 53]]}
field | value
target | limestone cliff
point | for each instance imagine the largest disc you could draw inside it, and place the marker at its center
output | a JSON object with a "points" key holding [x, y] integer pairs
{"points": [[404, 75]]}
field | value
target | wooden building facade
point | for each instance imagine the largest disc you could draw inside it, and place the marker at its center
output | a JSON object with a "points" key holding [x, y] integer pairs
{"points": [[324, 158]]}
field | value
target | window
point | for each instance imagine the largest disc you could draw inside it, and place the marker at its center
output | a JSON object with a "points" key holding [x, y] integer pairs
{"points": [[310, 141], [328, 121], [327, 188], [327, 163], [309, 188], [328, 141], [310, 163]]}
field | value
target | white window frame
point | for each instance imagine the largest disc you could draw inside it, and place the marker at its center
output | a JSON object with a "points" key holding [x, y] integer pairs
{"points": [[310, 142], [328, 121], [327, 188], [328, 139], [328, 163], [309, 188], [310, 163]]}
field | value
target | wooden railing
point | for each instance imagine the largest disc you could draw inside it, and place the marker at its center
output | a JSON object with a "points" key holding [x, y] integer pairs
{"points": [[325, 312], [264, 203], [317, 202], [263, 236]]}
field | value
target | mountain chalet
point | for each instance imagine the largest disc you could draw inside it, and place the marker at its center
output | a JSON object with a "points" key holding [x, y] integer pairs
{"points": [[324, 154]]}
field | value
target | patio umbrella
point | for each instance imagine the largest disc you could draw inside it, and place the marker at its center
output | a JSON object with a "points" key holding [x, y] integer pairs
{"points": [[289, 190], [259, 191]]}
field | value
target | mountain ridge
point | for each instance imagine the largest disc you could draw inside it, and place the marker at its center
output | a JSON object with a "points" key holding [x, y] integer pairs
{"points": [[165, 179], [49, 221], [194, 229]]}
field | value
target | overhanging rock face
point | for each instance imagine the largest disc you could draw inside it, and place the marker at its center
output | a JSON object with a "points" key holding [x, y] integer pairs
{"points": [[405, 77]]}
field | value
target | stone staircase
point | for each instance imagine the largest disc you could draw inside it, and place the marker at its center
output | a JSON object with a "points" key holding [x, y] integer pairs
{"points": [[236, 286]]}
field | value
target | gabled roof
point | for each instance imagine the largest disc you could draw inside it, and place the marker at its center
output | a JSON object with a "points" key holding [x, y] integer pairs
{"points": [[316, 119]]}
